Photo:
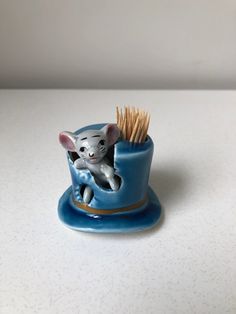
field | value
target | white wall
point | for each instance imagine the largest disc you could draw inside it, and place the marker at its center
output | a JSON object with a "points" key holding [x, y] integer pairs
{"points": [[118, 43]]}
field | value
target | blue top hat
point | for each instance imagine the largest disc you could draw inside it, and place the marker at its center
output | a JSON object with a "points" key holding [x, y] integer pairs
{"points": [[133, 207]]}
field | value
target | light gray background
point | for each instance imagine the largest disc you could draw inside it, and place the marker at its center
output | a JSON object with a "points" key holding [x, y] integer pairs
{"points": [[118, 44]]}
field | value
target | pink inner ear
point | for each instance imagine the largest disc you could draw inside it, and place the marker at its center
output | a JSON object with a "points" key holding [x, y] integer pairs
{"points": [[67, 142], [113, 132]]}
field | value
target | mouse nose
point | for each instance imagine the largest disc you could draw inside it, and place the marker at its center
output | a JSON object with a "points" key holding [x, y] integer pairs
{"points": [[91, 154]]}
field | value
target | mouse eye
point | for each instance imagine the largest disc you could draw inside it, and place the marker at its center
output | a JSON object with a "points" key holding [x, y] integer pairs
{"points": [[82, 149], [102, 142]]}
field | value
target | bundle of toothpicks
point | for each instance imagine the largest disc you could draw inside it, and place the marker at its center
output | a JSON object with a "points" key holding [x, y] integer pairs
{"points": [[133, 124]]}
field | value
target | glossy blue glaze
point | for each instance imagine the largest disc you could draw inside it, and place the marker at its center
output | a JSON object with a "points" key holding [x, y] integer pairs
{"points": [[145, 218], [132, 164]]}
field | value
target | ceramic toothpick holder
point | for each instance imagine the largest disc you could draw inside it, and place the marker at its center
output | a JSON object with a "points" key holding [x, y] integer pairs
{"points": [[109, 191]]}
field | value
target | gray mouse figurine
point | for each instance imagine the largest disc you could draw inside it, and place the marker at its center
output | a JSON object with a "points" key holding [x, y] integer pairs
{"points": [[92, 147]]}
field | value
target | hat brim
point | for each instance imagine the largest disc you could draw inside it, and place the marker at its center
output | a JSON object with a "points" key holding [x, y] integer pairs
{"points": [[142, 219]]}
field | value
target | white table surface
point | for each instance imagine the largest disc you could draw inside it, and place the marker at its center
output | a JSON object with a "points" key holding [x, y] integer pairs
{"points": [[185, 265]]}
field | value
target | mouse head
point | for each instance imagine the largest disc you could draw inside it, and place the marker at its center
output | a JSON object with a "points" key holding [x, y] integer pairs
{"points": [[91, 145]]}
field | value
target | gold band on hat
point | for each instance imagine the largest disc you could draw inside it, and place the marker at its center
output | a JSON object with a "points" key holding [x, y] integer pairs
{"points": [[103, 211]]}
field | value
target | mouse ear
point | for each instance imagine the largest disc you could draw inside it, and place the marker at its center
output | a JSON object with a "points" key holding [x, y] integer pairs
{"points": [[67, 140], [112, 132]]}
